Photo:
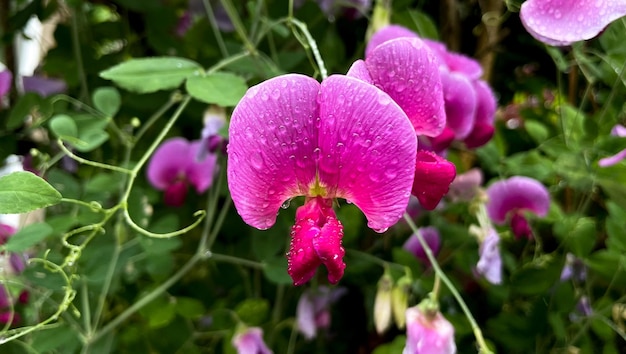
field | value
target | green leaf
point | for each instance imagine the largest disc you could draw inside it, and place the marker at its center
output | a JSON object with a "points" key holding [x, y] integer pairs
{"points": [[538, 131], [63, 126], [107, 100], [189, 307], [253, 311], [275, 270], [21, 192], [146, 75], [224, 89], [27, 237], [22, 108]]}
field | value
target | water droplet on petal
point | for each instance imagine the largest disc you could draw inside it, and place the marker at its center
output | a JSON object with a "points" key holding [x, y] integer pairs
{"points": [[257, 161], [285, 205]]}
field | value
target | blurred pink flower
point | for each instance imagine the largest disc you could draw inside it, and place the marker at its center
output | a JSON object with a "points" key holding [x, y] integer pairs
{"points": [[432, 238], [465, 186], [620, 131], [510, 198], [250, 341], [313, 311], [175, 164], [292, 136], [6, 81], [490, 262], [428, 333], [562, 22]]}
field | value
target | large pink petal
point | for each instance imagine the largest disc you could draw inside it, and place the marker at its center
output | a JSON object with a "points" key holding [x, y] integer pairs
{"points": [[273, 133], [358, 70], [517, 193], [562, 22], [460, 98], [168, 163], [408, 71], [387, 33], [367, 149]]}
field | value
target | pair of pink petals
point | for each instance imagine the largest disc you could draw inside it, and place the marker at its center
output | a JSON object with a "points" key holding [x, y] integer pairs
{"points": [[563, 22]]}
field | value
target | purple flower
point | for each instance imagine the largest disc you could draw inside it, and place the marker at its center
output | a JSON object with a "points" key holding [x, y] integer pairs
{"points": [[574, 269], [195, 9], [428, 333], [470, 104], [562, 22], [6, 80], [313, 311], [351, 9], [214, 121], [175, 165], [292, 136], [620, 131], [510, 198], [490, 263], [43, 86], [250, 341], [432, 238], [408, 71]]}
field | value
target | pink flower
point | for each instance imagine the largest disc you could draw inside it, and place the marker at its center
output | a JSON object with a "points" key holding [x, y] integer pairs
{"points": [[470, 104], [509, 198], [175, 164], [6, 81], [465, 186], [490, 262], [432, 238], [620, 131], [428, 333], [250, 341], [292, 136], [313, 311], [562, 22], [408, 71]]}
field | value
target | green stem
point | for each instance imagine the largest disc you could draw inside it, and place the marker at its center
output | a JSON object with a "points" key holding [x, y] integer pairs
{"points": [[89, 162], [312, 45], [216, 30], [239, 28], [468, 314], [234, 260], [84, 89], [375, 259], [176, 97]]}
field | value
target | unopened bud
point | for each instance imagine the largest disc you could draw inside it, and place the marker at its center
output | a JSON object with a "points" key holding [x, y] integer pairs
{"points": [[400, 300], [382, 304]]}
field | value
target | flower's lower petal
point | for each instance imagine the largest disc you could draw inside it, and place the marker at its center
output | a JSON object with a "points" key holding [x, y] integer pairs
{"points": [[619, 130], [562, 22], [517, 192], [273, 133], [367, 149], [480, 135], [433, 175], [612, 160], [250, 342], [302, 259], [358, 70], [460, 100], [328, 247], [176, 193], [200, 173], [442, 141], [408, 71], [428, 334], [168, 163], [385, 34], [486, 102]]}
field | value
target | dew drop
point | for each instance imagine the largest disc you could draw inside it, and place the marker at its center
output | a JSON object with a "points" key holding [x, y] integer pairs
{"points": [[276, 94], [257, 161], [285, 205], [264, 96], [384, 99]]}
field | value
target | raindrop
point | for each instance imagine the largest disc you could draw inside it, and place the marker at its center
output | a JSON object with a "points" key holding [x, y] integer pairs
{"points": [[257, 161], [384, 99], [276, 94], [391, 174], [264, 96], [391, 74], [285, 205], [375, 177], [341, 99]]}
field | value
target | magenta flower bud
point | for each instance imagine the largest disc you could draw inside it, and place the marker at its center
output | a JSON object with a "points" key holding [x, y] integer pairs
{"points": [[562, 22], [432, 238], [250, 341], [428, 333], [174, 166], [313, 310], [433, 175], [510, 198]]}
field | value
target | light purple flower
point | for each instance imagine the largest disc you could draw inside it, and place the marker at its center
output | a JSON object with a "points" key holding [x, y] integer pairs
{"points": [[562, 22], [351, 9], [313, 311], [250, 341], [175, 165], [510, 198], [6, 80], [470, 104], [620, 131], [43, 86], [214, 121], [428, 333], [465, 186], [432, 238], [574, 269], [292, 136], [490, 263], [195, 10]]}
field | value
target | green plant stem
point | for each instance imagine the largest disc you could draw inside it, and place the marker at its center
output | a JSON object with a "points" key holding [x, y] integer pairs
{"points": [[234, 260], [174, 98], [107, 284], [311, 44], [89, 162], [216, 30], [468, 314], [78, 56], [239, 28], [374, 259]]}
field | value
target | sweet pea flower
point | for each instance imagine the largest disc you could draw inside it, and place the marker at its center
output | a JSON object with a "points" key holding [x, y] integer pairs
{"points": [[465, 186], [175, 165], [490, 262], [562, 22], [432, 238], [351, 9], [574, 269], [510, 198], [313, 311], [470, 104], [408, 71], [250, 341], [620, 131], [292, 136], [428, 332]]}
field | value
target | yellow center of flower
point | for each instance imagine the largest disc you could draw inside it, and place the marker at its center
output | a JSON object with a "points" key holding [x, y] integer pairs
{"points": [[317, 189]]}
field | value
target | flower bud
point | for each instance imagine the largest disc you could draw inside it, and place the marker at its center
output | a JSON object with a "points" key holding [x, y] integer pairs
{"points": [[400, 300], [382, 304]]}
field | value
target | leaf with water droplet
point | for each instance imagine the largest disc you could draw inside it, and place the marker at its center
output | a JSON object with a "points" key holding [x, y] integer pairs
{"points": [[221, 88]]}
